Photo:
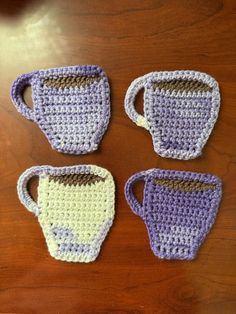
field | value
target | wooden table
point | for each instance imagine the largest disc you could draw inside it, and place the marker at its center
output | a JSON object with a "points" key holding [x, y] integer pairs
{"points": [[128, 39]]}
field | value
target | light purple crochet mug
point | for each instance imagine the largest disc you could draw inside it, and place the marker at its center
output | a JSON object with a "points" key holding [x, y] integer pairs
{"points": [[179, 209], [71, 105], [180, 110]]}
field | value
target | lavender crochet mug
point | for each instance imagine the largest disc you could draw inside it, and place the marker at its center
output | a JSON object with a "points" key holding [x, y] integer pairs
{"points": [[179, 209], [180, 110], [71, 105]]}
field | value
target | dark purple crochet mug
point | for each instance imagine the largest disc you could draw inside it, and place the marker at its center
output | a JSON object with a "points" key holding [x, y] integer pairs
{"points": [[179, 209], [71, 105]]}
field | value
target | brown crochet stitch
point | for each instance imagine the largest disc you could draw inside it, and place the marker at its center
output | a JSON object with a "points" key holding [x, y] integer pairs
{"points": [[74, 179], [71, 81], [183, 85], [185, 186]]}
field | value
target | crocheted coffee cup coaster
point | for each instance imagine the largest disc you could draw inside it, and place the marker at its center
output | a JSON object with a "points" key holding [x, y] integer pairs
{"points": [[180, 110], [71, 105], [75, 208], [179, 209]]}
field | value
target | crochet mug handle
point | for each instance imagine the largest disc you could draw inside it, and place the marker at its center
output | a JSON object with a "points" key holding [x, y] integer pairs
{"points": [[131, 93], [22, 190], [17, 90], [136, 207]]}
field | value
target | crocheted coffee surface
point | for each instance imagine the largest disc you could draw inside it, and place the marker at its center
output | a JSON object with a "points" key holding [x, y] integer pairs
{"points": [[71, 81], [185, 186], [183, 85], [179, 209], [75, 209], [74, 179]]}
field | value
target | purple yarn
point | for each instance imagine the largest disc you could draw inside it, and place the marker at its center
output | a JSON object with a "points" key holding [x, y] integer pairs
{"points": [[178, 113], [178, 122], [73, 119], [177, 221]]}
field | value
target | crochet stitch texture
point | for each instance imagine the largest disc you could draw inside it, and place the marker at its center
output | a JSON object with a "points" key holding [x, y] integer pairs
{"points": [[180, 110], [75, 208], [179, 209], [71, 105]]}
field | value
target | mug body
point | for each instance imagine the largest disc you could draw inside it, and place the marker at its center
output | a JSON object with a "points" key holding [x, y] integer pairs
{"points": [[179, 209], [72, 107], [181, 108], [77, 210]]}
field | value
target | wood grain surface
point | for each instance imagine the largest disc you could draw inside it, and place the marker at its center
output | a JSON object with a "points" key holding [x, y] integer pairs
{"points": [[128, 39]]}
